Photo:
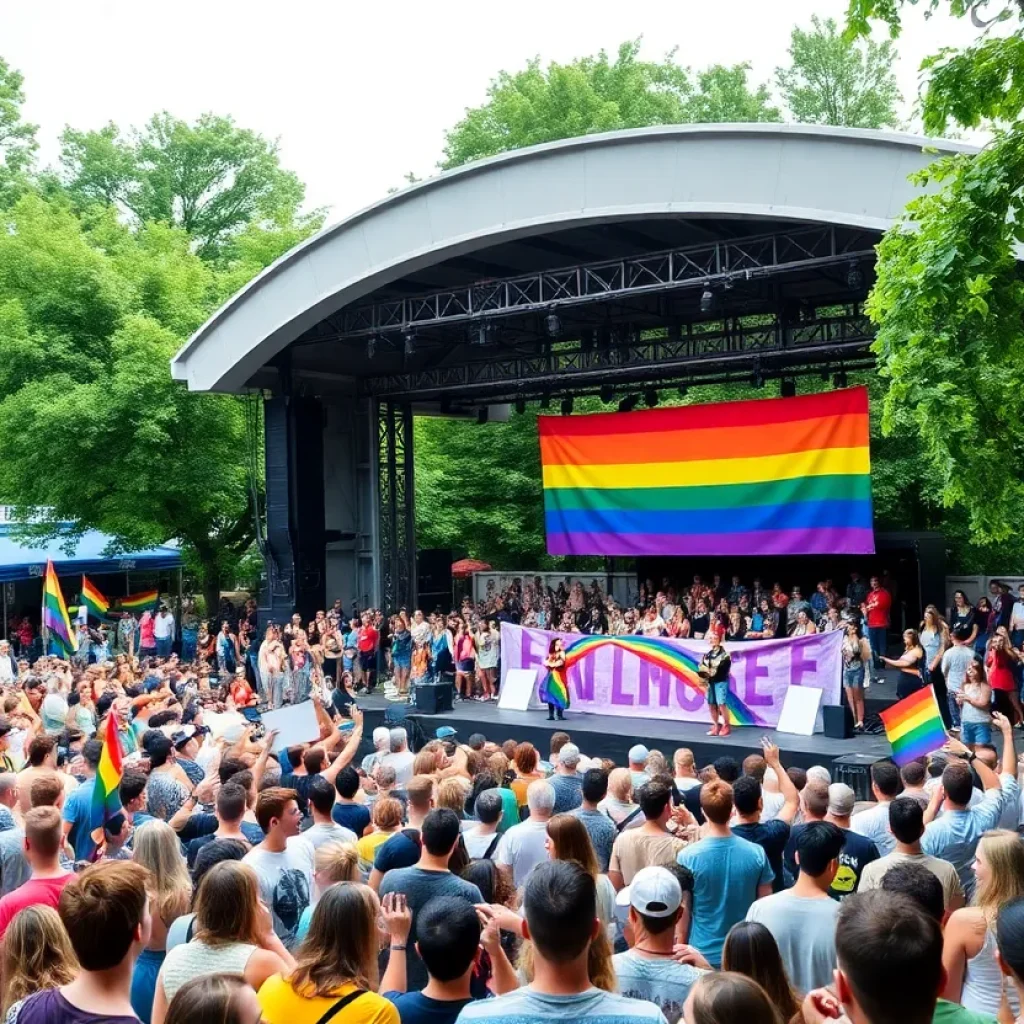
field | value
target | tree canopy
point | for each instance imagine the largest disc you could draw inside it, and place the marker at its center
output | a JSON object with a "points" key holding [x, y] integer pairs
{"points": [[211, 178], [599, 94], [17, 137], [834, 79], [949, 301]]}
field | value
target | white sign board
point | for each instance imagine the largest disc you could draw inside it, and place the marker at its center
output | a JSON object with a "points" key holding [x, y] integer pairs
{"points": [[800, 711], [227, 724], [518, 690], [295, 723]]}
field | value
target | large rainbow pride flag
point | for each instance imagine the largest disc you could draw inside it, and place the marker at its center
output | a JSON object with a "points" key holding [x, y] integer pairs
{"points": [[775, 476]]}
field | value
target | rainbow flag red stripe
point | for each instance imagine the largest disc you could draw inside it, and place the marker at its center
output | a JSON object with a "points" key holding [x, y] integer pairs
{"points": [[914, 726], [778, 476], [139, 602], [55, 618]]}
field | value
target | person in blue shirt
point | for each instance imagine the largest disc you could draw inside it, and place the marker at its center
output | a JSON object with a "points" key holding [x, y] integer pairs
{"points": [[347, 812], [78, 813], [729, 873]]}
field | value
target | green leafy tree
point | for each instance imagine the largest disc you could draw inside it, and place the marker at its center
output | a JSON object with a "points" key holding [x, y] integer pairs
{"points": [[91, 424], [833, 79], [598, 94], [949, 302], [212, 179], [17, 137]]}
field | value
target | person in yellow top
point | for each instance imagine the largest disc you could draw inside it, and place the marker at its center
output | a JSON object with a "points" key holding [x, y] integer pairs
{"points": [[387, 820], [335, 975]]}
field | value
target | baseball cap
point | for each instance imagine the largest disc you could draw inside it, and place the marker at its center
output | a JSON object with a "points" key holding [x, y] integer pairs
{"points": [[446, 732], [183, 735], [638, 753], [840, 799], [653, 892]]}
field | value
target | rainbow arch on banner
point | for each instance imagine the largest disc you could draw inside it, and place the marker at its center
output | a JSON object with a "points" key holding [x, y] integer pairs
{"points": [[555, 690]]}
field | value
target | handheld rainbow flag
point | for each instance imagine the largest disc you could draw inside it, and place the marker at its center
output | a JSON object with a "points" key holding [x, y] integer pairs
{"points": [[106, 798], [778, 476], [56, 624], [914, 726], [139, 602], [96, 603]]}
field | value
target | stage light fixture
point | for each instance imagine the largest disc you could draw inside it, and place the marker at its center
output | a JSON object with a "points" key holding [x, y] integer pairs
{"points": [[371, 346], [707, 299], [629, 403], [607, 393], [409, 340], [481, 415], [520, 406], [787, 387], [567, 405], [651, 397], [854, 277], [839, 380], [553, 325]]}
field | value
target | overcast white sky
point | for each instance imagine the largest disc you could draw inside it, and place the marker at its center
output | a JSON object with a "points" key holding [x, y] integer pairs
{"points": [[360, 93]]}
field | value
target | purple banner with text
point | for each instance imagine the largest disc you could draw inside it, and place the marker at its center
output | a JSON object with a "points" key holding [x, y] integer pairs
{"points": [[655, 677]]}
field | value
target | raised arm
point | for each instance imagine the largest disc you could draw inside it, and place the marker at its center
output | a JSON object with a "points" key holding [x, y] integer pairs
{"points": [[789, 792], [345, 757]]}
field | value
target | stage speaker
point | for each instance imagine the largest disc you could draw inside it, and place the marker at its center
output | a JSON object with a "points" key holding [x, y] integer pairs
{"points": [[434, 700], [855, 771], [838, 720], [434, 579]]}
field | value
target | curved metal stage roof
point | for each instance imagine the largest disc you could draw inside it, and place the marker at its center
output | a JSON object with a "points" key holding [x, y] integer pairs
{"points": [[589, 198]]}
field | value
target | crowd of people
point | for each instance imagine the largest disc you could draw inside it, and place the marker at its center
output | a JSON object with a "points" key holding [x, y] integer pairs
{"points": [[475, 879]]}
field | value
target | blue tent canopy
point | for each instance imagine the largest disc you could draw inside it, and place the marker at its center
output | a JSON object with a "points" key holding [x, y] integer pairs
{"points": [[22, 560]]}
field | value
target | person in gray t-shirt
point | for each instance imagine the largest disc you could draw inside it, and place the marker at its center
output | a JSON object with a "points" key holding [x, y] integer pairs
{"points": [[428, 878], [14, 869]]}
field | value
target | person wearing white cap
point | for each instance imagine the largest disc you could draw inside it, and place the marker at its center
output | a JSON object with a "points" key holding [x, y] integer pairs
{"points": [[648, 970], [638, 765]]}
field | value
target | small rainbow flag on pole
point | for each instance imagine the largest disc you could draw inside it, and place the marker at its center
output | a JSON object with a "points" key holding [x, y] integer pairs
{"points": [[97, 604], [56, 624], [106, 798], [914, 726], [139, 602]]}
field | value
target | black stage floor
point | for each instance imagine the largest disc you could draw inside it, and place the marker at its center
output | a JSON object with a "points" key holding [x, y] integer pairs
{"points": [[610, 736]]}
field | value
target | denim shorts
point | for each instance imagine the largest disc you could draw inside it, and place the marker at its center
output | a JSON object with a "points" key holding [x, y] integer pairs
{"points": [[853, 678], [717, 694], [975, 732]]}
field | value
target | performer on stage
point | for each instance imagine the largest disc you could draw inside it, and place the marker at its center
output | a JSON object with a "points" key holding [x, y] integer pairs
{"points": [[714, 670], [554, 691]]}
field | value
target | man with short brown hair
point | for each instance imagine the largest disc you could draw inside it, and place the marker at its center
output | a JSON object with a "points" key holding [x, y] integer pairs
{"points": [[283, 862], [108, 900], [42, 845], [729, 873]]}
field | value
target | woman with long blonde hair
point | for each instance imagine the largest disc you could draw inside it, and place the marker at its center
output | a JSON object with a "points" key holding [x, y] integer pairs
{"points": [[973, 977], [338, 958], [37, 955], [156, 847]]}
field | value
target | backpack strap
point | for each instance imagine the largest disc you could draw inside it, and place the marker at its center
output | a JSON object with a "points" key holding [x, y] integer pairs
{"points": [[489, 852], [622, 825], [340, 1005]]}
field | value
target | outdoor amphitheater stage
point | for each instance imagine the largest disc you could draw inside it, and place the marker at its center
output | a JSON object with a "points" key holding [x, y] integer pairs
{"points": [[611, 736]]}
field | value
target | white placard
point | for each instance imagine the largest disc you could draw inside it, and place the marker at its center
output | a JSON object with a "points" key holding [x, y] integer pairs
{"points": [[226, 724], [518, 690], [800, 711], [295, 723]]}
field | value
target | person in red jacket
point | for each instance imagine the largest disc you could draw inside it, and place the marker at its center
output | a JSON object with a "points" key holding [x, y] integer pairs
{"points": [[876, 608], [367, 638]]}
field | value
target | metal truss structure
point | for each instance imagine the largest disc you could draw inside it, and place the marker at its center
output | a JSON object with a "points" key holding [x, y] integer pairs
{"points": [[694, 352], [396, 506], [721, 263]]}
